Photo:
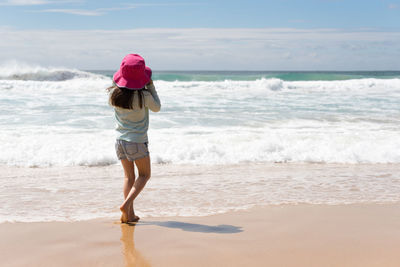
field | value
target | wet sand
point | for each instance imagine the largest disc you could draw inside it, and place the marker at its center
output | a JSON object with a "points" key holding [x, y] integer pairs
{"points": [[77, 193], [286, 235]]}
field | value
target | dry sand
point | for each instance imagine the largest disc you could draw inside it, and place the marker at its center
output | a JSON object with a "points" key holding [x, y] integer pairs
{"points": [[288, 235]]}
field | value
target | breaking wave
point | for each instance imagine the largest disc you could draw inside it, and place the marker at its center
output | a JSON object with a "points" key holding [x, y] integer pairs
{"points": [[25, 72]]}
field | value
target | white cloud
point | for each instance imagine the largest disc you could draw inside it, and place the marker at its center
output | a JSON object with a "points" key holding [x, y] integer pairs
{"points": [[80, 12], [393, 6], [102, 11], [32, 2], [84, 12], [229, 49], [23, 2]]}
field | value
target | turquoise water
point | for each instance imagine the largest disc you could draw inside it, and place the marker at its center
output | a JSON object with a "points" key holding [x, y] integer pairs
{"points": [[209, 76]]}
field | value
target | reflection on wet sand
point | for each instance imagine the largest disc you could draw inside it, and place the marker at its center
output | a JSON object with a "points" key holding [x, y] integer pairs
{"points": [[132, 257]]}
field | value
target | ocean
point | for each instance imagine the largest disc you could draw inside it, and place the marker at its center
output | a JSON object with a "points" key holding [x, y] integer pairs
{"points": [[59, 118]]}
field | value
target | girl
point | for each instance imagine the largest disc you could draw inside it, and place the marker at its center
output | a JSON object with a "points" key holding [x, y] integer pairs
{"points": [[132, 95]]}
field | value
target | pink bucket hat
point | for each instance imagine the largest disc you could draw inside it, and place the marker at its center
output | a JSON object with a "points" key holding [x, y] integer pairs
{"points": [[133, 73]]}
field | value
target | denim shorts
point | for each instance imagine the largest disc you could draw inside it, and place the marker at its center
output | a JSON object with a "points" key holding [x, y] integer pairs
{"points": [[131, 151]]}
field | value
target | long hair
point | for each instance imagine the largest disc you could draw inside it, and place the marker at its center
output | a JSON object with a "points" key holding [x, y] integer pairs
{"points": [[125, 98]]}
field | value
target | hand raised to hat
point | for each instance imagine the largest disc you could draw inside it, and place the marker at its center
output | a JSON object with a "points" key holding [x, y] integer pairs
{"points": [[149, 83]]}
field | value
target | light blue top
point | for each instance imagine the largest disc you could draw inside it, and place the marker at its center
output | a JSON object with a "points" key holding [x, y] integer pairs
{"points": [[132, 124]]}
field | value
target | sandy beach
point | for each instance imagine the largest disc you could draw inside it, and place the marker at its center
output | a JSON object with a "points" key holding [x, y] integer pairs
{"points": [[53, 225], [285, 235]]}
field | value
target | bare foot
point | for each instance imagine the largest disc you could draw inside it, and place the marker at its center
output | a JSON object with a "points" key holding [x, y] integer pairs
{"points": [[134, 219], [124, 216], [131, 215]]}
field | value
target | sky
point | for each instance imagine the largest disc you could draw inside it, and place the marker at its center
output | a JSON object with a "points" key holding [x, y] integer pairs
{"points": [[203, 34]]}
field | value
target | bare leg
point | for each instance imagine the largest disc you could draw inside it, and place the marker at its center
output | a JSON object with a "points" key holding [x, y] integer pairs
{"points": [[144, 169], [129, 180]]}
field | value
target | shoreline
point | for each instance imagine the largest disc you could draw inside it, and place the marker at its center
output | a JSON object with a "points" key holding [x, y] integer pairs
{"points": [[83, 193], [285, 235]]}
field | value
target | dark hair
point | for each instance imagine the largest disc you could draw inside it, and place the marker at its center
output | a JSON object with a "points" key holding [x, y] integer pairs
{"points": [[123, 98]]}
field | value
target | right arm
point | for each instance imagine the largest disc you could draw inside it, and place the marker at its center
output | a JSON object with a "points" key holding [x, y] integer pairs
{"points": [[151, 99]]}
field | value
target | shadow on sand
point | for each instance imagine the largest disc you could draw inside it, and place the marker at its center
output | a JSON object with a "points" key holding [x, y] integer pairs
{"points": [[194, 227], [132, 257]]}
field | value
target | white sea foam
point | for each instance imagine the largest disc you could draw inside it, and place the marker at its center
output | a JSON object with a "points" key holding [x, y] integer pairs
{"points": [[264, 85], [48, 119], [317, 142]]}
